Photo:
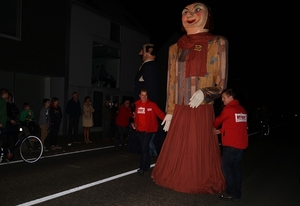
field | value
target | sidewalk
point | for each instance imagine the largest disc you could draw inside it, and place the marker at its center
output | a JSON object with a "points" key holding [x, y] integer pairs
{"points": [[95, 137]]}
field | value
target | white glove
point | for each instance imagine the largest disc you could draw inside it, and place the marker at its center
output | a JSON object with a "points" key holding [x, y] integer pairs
{"points": [[196, 99], [167, 120]]}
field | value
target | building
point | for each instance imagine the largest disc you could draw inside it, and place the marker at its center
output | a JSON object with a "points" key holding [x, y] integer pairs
{"points": [[52, 48]]}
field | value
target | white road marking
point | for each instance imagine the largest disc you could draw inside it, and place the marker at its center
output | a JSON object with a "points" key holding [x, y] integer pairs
{"points": [[50, 197]]}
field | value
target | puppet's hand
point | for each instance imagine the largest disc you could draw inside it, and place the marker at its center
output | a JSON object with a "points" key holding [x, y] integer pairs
{"points": [[196, 99], [167, 120]]}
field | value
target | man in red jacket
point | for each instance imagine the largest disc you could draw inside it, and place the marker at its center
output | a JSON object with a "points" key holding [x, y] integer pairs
{"points": [[233, 122], [145, 123], [122, 123]]}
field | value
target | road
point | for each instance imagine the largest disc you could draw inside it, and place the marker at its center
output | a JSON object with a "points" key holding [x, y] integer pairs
{"points": [[96, 174]]}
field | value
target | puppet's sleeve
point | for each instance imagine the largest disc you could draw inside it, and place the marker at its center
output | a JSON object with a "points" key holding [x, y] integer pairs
{"points": [[171, 86], [220, 71]]}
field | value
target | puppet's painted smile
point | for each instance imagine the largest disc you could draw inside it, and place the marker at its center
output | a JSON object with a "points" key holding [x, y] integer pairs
{"points": [[191, 21]]}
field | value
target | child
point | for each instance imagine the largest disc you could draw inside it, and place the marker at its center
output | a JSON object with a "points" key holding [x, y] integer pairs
{"points": [[55, 121], [27, 120], [44, 121]]}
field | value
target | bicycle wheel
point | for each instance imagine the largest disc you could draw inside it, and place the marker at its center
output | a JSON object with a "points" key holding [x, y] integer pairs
{"points": [[31, 149], [262, 128], [267, 130]]}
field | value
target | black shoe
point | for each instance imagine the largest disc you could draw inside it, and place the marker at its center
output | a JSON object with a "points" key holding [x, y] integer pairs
{"points": [[140, 172], [229, 198]]}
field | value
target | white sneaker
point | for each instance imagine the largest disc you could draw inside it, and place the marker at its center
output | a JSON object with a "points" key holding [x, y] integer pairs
{"points": [[69, 144]]}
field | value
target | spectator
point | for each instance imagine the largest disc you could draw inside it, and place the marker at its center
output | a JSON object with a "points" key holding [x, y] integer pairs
{"points": [[145, 123], [73, 109], [3, 108], [232, 125], [114, 112], [87, 118], [27, 119], [44, 121], [106, 119], [122, 122], [4, 118], [27, 113], [133, 145], [12, 113], [12, 109], [55, 120]]}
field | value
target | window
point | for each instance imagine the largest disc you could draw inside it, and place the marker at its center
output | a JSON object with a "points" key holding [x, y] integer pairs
{"points": [[10, 19], [108, 58]]}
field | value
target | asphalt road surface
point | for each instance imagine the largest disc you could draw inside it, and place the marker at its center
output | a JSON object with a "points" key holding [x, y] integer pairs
{"points": [[97, 174]]}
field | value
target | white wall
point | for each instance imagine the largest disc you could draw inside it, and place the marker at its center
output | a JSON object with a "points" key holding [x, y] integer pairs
{"points": [[84, 25], [87, 27]]}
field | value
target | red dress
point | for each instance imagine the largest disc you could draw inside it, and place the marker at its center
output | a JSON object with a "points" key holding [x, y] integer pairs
{"points": [[190, 162]]}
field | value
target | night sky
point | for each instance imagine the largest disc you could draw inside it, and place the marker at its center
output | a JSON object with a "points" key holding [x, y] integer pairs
{"points": [[251, 29]]}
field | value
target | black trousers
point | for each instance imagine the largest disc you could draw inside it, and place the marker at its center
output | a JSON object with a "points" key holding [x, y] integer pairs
{"points": [[54, 134], [73, 129], [144, 140]]}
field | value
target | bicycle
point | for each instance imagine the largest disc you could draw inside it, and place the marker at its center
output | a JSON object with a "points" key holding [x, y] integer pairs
{"points": [[265, 128], [30, 147]]}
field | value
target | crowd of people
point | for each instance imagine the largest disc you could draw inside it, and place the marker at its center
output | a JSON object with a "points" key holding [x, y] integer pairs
{"points": [[115, 121], [47, 124]]}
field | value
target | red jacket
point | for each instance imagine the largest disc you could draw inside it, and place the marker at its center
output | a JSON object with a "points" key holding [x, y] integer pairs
{"points": [[146, 114], [233, 119], [123, 117]]}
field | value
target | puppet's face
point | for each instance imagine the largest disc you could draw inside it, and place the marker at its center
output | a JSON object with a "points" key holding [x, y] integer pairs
{"points": [[144, 54], [194, 16]]}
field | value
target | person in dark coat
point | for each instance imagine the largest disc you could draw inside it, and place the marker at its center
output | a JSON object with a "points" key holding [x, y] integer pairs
{"points": [[73, 109], [12, 113], [55, 121]]}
